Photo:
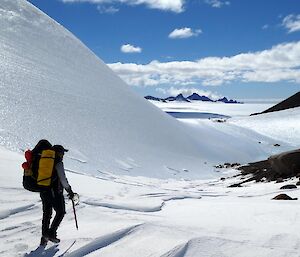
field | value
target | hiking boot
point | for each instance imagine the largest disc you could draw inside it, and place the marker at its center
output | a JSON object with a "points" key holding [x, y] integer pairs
{"points": [[44, 241], [52, 236]]}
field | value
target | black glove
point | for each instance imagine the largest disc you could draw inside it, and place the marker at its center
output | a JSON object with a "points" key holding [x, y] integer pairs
{"points": [[70, 193]]}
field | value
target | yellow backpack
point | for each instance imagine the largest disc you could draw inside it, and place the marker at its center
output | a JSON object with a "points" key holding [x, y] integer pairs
{"points": [[38, 172], [45, 168]]}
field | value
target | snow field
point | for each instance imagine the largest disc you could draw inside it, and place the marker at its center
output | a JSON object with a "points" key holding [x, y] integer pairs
{"points": [[194, 218], [283, 125]]}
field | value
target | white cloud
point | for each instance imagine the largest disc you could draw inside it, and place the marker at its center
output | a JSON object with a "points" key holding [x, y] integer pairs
{"points": [[217, 3], [107, 9], [184, 33], [266, 26], [130, 49], [280, 63], [165, 5], [186, 91], [292, 23]]}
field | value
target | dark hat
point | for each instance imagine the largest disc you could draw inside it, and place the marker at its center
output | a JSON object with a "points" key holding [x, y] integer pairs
{"points": [[43, 144], [59, 149]]}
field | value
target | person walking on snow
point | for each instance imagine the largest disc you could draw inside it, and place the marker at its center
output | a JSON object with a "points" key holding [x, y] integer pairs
{"points": [[54, 198]]}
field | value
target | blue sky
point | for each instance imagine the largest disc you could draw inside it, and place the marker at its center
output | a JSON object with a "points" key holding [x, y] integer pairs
{"points": [[243, 49]]}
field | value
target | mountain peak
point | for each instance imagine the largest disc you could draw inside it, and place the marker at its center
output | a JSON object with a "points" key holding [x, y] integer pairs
{"points": [[197, 97], [225, 100]]}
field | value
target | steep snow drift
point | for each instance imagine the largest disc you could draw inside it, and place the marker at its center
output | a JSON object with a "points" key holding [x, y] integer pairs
{"points": [[53, 87]]}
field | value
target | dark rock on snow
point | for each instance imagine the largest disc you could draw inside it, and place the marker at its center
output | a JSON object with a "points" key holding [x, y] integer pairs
{"points": [[236, 185], [288, 187], [283, 197], [276, 168], [227, 165]]}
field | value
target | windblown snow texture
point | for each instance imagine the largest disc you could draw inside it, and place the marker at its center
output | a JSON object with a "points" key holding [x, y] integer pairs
{"points": [[54, 87]]}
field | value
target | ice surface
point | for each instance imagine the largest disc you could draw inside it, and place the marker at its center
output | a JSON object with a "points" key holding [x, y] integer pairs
{"points": [[199, 107]]}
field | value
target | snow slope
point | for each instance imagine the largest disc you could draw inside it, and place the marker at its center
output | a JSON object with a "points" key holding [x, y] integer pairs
{"points": [[254, 136], [53, 87], [281, 125]]}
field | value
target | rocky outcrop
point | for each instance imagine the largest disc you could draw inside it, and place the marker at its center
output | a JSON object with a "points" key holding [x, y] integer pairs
{"points": [[275, 168], [286, 164]]}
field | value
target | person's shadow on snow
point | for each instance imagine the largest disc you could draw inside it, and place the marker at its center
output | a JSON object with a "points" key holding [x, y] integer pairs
{"points": [[40, 251]]}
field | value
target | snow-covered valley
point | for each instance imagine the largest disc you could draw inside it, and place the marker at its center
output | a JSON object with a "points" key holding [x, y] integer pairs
{"points": [[147, 181], [139, 216], [134, 216]]}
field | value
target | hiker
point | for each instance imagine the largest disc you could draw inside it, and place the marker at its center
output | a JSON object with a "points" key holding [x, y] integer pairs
{"points": [[53, 198]]}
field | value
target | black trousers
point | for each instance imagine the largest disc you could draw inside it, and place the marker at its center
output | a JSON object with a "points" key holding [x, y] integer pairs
{"points": [[52, 200]]}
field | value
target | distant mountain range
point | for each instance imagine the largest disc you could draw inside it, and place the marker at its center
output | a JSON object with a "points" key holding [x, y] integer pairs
{"points": [[192, 97]]}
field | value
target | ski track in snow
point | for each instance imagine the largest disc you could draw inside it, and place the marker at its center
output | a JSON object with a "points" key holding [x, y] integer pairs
{"points": [[7, 213], [76, 159], [178, 251], [102, 242]]}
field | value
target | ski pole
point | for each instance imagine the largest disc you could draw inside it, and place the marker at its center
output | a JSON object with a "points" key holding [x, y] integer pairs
{"points": [[74, 214]]}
